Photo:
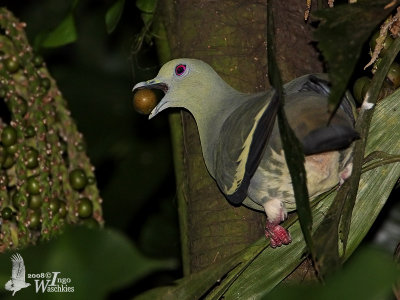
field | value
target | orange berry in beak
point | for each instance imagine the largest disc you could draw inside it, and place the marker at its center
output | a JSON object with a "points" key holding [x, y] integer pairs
{"points": [[144, 101]]}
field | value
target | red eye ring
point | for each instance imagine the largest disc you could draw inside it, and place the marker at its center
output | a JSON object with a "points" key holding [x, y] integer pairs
{"points": [[180, 69]]}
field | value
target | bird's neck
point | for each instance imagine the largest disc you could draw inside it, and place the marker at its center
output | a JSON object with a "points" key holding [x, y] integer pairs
{"points": [[212, 119]]}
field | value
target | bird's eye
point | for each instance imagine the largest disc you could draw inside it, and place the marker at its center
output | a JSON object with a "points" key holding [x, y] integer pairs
{"points": [[180, 70]]}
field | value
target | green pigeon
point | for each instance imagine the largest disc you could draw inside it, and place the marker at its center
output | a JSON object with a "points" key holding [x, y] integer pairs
{"points": [[241, 143]]}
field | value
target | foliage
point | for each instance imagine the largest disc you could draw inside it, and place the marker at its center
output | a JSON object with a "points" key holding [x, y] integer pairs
{"points": [[337, 28], [114, 14], [64, 33], [327, 257], [368, 275], [97, 262]]}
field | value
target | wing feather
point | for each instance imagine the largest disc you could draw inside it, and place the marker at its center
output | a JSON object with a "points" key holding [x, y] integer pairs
{"points": [[18, 267], [236, 159], [247, 131]]}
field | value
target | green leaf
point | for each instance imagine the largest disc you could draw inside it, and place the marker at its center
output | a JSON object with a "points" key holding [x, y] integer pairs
{"points": [[147, 19], [147, 6], [362, 126], [341, 35], [292, 148], [369, 275], [193, 286], [377, 159], [96, 261], [74, 4], [63, 34], [328, 256], [113, 15]]}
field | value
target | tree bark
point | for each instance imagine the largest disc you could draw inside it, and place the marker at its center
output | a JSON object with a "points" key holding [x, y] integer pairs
{"points": [[230, 36]]}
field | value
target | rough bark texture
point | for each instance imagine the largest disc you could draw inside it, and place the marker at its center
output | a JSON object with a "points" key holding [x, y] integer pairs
{"points": [[230, 36]]}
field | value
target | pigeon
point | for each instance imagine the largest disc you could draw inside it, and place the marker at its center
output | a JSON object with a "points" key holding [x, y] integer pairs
{"points": [[240, 139]]}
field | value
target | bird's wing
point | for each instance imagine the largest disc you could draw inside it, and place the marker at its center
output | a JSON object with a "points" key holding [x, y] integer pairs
{"points": [[247, 131], [307, 114], [18, 267], [241, 144], [318, 83]]}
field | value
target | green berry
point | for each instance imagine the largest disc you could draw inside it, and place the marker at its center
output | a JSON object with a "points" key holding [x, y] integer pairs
{"points": [[18, 200], [77, 179], [18, 105], [49, 110], [63, 209], [8, 161], [32, 186], [386, 43], [394, 75], [3, 92], [85, 208], [6, 182], [6, 213], [12, 64], [41, 90], [30, 132], [80, 147], [31, 158], [38, 61], [22, 108], [54, 205], [34, 219], [91, 180], [45, 83], [360, 88], [35, 201], [12, 149], [8, 136]]}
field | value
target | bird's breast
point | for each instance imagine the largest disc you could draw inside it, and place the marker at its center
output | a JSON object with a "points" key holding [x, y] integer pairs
{"points": [[272, 178]]}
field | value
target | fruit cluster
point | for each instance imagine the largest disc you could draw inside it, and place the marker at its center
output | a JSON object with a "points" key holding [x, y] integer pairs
{"points": [[46, 179]]}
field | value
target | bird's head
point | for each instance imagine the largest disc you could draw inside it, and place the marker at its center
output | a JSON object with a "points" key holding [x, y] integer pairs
{"points": [[187, 83]]}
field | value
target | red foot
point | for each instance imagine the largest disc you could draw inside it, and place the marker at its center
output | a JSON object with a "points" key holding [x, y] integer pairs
{"points": [[277, 234], [346, 173]]}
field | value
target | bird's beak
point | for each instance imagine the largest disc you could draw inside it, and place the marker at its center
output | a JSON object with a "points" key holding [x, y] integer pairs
{"points": [[154, 84]]}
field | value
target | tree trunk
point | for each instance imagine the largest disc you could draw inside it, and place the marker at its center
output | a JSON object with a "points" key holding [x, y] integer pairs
{"points": [[230, 36]]}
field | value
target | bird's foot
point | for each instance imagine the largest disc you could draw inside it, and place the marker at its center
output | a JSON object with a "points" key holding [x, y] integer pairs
{"points": [[277, 234], [346, 173]]}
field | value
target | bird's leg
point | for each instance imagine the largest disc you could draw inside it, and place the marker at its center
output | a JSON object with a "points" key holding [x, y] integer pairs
{"points": [[276, 213], [345, 173]]}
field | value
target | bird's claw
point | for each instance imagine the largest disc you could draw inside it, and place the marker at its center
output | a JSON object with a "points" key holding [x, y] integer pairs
{"points": [[277, 234]]}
